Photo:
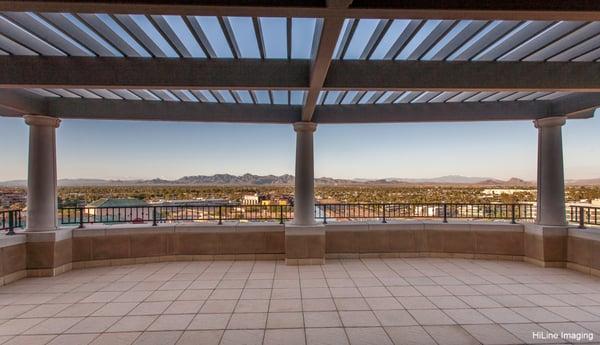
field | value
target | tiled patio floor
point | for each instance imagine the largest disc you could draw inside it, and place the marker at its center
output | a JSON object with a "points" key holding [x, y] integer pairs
{"points": [[370, 301]]}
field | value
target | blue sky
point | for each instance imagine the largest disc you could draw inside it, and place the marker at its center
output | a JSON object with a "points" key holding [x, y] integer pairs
{"points": [[123, 149]]}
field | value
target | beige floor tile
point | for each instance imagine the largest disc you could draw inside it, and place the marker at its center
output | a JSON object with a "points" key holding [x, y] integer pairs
{"points": [[247, 321], [409, 335], [99, 297], [221, 306], [286, 293], [450, 335], [133, 296], [242, 337], [45, 310], [252, 306], [54, 325], [285, 305], [12, 311], [358, 319], [368, 336], [502, 315], [73, 339], [351, 304], [209, 321], [491, 334], [256, 294], [574, 314], [80, 309], [30, 340], [284, 337], [467, 316], [149, 308], [184, 307], [447, 302], [395, 318], [345, 292], [480, 302], [285, 320], [416, 302], [538, 314], [194, 295], [115, 309], [126, 338], [325, 319], [171, 322], [93, 324], [132, 324], [326, 336], [164, 295], [226, 294], [404, 291], [158, 338], [200, 337], [383, 303], [318, 304], [431, 317]]}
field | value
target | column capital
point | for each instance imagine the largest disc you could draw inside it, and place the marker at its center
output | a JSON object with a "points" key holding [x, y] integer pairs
{"points": [[40, 120], [553, 121], [305, 126]]}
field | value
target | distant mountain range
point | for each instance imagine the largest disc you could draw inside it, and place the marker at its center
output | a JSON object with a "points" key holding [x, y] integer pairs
{"points": [[273, 180]]}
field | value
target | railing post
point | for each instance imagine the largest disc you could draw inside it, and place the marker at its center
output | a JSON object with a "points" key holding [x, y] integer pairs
{"points": [[581, 217], [154, 216], [383, 220], [11, 223], [220, 215], [324, 214], [81, 218], [280, 214], [445, 213], [513, 219]]}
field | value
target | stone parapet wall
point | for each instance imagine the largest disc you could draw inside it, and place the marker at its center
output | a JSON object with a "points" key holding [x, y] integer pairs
{"points": [[54, 252]]}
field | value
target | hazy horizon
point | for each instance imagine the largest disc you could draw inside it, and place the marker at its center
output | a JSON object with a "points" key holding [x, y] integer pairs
{"points": [[124, 150]]}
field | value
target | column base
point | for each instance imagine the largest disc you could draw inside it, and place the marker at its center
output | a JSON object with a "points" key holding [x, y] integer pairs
{"points": [[49, 253], [546, 245], [304, 244]]}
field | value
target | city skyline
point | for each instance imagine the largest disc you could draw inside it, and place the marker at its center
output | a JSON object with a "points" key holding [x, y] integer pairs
{"points": [[145, 150]]}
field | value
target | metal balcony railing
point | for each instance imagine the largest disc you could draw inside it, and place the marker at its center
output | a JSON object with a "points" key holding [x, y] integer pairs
{"points": [[581, 215], [11, 219]]}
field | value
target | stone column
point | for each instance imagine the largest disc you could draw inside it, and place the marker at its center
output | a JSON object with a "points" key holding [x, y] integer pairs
{"points": [[41, 177], [304, 193], [550, 172]]}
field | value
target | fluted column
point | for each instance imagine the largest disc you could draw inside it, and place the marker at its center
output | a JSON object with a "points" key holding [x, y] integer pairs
{"points": [[550, 172], [304, 193], [41, 177]]}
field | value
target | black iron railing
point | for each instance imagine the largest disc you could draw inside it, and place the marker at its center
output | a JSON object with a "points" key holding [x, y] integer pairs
{"points": [[583, 215], [444, 211], [10, 219], [163, 214], [281, 213]]}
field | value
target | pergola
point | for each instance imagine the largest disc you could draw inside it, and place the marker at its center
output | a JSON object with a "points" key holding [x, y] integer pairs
{"points": [[298, 62]]}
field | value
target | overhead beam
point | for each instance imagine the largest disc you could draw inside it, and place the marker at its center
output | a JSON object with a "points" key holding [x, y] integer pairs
{"points": [[432, 112], [414, 9], [578, 105], [111, 72], [463, 76], [330, 31], [19, 102], [134, 73], [72, 108]]}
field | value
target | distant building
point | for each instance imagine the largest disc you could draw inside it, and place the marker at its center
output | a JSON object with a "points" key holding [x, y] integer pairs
{"points": [[252, 199], [108, 210]]}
